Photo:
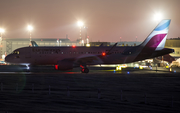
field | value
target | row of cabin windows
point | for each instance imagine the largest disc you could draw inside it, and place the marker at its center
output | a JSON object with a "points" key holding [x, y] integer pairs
{"points": [[74, 52]]}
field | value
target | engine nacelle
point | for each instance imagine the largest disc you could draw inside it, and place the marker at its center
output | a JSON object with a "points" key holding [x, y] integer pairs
{"points": [[64, 65]]}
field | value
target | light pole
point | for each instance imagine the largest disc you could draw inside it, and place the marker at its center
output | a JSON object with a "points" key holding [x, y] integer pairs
{"points": [[80, 24], [60, 42], [83, 42], [87, 39], [1, 31], [30, 28]]}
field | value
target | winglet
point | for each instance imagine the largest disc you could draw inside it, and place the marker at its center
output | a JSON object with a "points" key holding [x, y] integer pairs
{"points": [[34, 44]]}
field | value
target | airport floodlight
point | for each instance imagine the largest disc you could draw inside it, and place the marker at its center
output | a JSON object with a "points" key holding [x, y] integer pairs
{"points": [[158, 17], [30, 28], [82, 42], [87, 41], [60, 42], [80, 23], [2, 30]]}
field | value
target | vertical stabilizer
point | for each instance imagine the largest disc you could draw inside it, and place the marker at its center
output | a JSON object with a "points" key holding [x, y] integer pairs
{"points": [[157, 39]]}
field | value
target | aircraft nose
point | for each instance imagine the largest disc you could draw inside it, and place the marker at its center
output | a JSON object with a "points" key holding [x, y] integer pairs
{"points": [[7, 58]]}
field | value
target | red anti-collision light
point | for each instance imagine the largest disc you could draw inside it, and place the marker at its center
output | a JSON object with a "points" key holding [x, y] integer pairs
{"points": [[73, 46], [103, 53], [56, 67]]}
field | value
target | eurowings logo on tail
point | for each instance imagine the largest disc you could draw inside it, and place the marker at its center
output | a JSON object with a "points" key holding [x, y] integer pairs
{"points": [[156, 40]]}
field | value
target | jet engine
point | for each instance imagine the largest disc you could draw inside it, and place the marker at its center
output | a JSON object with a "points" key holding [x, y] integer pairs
{"points": [[64, 65]]}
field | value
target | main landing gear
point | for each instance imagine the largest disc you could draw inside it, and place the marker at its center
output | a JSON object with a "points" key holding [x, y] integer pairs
{"points": [[85, 70]]}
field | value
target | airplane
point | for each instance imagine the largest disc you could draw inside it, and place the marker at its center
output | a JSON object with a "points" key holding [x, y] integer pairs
{"points": [[67, 58]]}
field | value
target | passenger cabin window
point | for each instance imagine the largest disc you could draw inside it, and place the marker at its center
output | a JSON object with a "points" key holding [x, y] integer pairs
{"points": [[16, 52]]}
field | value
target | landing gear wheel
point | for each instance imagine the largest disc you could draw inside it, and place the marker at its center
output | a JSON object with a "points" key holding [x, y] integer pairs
{"points": [[85, 70]]}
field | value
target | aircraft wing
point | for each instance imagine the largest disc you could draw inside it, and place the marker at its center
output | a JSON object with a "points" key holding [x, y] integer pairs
{"points": [[92, 59], [88, 59]]}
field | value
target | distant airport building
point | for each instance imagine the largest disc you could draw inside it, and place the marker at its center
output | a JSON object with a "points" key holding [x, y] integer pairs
{"points": [[100, 43], [174, 43], [124, 43], [12, 44]]}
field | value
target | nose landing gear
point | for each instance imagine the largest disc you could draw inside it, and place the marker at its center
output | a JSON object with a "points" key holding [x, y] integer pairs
{"points": [[85, 70]]}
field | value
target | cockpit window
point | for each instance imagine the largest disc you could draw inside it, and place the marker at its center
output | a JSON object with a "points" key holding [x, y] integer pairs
{"points": [[15, 52]]}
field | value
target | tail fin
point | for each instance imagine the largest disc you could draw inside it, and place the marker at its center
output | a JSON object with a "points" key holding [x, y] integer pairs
{"points": [[157, 39], [34, 44]]}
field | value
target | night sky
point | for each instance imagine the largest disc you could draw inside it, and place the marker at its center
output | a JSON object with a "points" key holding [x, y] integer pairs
{"points": [[107, 20]]}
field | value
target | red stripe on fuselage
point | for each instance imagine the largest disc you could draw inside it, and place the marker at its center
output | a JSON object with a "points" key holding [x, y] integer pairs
{"points": [[155, 41]]}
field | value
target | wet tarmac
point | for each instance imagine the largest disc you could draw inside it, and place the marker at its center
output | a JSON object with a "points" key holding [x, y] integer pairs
{"points": [[102, 90]]}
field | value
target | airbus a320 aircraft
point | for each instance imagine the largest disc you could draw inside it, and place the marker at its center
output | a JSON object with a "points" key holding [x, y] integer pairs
{"points": [[66, 58]]}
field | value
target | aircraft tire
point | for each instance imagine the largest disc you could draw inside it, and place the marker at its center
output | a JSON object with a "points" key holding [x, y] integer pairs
{"points": [[85, 70]]}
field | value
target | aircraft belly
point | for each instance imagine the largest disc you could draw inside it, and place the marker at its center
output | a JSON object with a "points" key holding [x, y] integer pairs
{"points": [[119, 59], [114, 59]]}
